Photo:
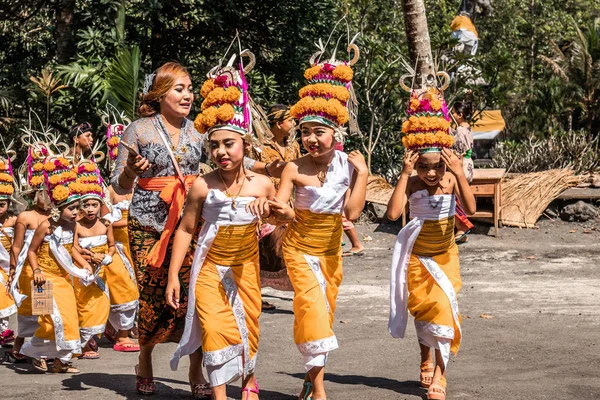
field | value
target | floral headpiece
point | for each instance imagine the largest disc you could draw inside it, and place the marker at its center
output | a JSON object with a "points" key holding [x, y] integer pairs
{"points": [[328, 94], [428, 124], [226, 102], [61, 181], [7, 180], [89, 181]]}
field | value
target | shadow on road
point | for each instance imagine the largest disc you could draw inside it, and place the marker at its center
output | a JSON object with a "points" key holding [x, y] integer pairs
{"points": [[124, 386], [412, 388]]}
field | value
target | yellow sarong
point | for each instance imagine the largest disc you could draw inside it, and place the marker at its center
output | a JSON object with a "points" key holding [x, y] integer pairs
{"points": [[231, 268], [57, 335], [7, 304], [121, 235], [93, 305], [313, 255], [427, 301]]}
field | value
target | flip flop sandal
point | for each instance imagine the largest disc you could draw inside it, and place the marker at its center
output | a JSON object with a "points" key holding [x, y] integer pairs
{"points": [[201, 391], [249, 391], [14, 357], [351, 253], [67, 368], [126, 348], [462, 238], [144, 386], [306, 391], [437, 390], [427, 370], [39, 365], [89, 355]]}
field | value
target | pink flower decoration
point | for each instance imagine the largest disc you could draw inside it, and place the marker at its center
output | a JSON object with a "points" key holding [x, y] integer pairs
{"points": [[328, 67], [221, 80]]}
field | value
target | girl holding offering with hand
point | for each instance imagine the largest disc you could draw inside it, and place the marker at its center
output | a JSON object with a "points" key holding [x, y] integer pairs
{"points": [[224, 292], [327, 183], [425, 273]]}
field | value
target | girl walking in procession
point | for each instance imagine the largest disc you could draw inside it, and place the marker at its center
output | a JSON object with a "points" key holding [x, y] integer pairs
{"points": [[49, 256], [224, 291], [425, 273], [27, 222], [327, 183]]}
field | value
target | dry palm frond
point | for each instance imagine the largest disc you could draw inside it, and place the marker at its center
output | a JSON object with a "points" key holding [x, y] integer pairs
{"points": [[525, 197], [378, 190]]}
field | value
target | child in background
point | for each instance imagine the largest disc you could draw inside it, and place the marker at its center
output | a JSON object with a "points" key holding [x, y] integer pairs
{"points": [[425, 273], [463, 145]]}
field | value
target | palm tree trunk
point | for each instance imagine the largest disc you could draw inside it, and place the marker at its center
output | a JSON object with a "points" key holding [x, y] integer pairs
{"points": [[417, 34], [65, 10]]}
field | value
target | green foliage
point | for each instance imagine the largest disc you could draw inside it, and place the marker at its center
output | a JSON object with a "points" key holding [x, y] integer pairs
{"points": [[123, 80], [540, 65]]}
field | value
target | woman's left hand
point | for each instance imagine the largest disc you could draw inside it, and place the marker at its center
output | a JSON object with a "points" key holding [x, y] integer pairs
{"points": [[358, 162], [453, 163]]}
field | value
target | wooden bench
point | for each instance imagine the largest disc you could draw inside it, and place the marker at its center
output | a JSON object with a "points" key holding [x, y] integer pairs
{"points": [[488, 183]]}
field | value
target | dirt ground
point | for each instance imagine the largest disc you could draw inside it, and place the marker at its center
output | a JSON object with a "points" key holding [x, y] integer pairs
{"points": [[531, 308]]}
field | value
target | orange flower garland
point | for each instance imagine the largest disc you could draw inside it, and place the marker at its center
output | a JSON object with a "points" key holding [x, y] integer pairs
{"points": [[326, 90]]}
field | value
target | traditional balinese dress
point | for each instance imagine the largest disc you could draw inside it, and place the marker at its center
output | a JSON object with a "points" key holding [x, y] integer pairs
{"points": [[154, 213], [7, 304], [425, 274], [57, 335], [21, 290], [313, 254], [93, 301], [120, 275], [225, 282]]}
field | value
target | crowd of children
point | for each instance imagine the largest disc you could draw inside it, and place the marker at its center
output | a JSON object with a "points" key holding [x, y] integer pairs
{"points": [[100, 264]]}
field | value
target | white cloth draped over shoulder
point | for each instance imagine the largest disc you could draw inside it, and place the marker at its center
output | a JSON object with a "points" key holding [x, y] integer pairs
{"points": [[328, 199], [18, 296], [56, 240], [4, 255], [117, 211], [216, 212], [423, 207]]}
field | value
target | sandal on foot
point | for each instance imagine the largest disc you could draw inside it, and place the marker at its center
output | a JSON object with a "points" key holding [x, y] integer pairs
{"points": [[306, 391], [351, 253], [437, 390], [144, 386], [250, 390], [14, 357], [89, 355], [126, 347], [60, 368], [201, 391], [39, 365], [462, 238], [427, 370]]}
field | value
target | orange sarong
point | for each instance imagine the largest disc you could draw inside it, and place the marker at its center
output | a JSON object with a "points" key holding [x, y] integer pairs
{"points": [[172, 191]]}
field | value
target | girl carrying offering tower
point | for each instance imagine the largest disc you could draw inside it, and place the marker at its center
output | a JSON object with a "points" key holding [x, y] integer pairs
{"points": [[49, 256], [327, 183], [224, 292], [425, 273]]}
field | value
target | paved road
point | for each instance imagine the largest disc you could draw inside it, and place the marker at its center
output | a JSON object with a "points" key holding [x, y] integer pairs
{"points": [[541, 289]]}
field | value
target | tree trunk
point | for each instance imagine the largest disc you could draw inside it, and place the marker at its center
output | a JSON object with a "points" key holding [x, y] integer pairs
{"points": [[64, 34], [419, 46]]}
